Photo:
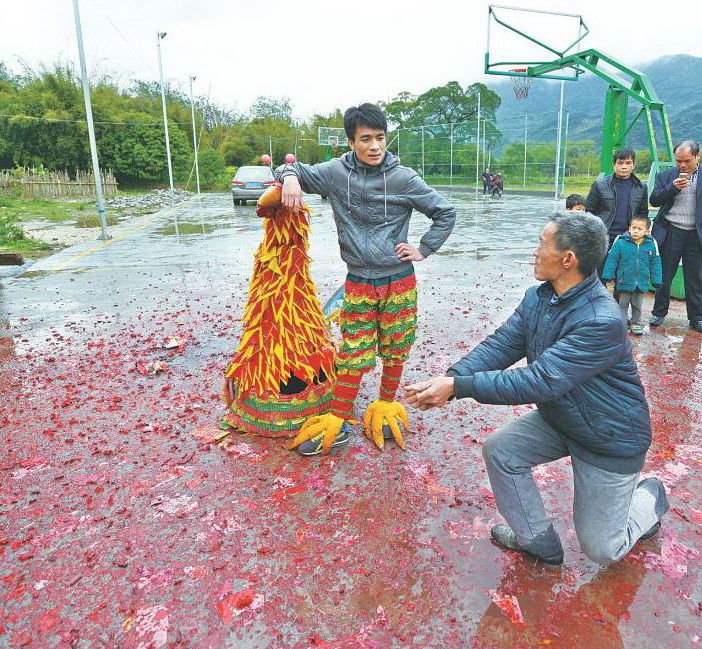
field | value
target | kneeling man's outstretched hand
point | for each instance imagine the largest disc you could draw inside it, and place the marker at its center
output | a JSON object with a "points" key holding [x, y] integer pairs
{"points": [[433, 393]]}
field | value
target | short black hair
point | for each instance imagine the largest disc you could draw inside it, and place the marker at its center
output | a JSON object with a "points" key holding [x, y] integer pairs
{"points": [[688, 144], [573, 200], [585, 234], [368, 115], [640, 217], [623, 153]]}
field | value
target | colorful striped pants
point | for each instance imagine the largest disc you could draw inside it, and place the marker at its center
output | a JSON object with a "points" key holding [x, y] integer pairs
{"points": [[378, 316]]}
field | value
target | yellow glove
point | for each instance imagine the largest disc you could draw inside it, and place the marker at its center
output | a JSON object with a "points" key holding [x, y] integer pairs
{"points": [[385, 412], [326, 425]]}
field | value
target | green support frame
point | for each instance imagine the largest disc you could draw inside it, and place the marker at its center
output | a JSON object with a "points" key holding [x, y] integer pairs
{"points": [[616, 126]]}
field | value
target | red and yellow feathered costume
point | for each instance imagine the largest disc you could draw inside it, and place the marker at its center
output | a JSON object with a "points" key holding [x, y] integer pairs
{"points": [[283, 371]]}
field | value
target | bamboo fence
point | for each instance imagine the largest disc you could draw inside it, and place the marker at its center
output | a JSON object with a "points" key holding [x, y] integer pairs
{"points": [[33, 183]]}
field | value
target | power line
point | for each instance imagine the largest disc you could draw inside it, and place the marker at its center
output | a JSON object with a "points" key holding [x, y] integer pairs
{"points": [[124, 38]]}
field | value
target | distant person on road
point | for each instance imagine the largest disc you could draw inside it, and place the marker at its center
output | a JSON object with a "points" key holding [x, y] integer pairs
{"points": [[617, 197], [590, 404], [678, 230], [487, 180], [497, 185], [575, 203], [634, 264], [372, 197]]}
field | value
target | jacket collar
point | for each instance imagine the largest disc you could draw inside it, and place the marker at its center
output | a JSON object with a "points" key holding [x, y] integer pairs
{"points": [[627, 237], [546, 290], [351, 162], [633, 177]]}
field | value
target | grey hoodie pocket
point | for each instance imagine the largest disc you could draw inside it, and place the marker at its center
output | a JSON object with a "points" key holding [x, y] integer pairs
{"points": [[351, 252]]}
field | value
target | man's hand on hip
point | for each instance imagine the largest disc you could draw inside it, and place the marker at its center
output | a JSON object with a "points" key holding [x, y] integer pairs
{"points": [[407, 252], [433, 393], [292, 192]]}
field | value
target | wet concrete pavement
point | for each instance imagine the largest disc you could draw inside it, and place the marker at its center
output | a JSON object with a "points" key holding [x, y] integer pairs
{"points": [[122, 526]]}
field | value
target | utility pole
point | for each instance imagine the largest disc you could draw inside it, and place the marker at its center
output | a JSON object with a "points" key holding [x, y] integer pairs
{"points": [[477, 149], [526, 128], [192, 112], [159, 37], [451, 159], [558, 146], [91, 128]]}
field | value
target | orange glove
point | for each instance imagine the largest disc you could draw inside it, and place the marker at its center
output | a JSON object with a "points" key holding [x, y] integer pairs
{"points": [[326, 425], [385, 412]]}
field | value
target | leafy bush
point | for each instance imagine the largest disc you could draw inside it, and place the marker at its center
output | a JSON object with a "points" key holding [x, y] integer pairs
{"points": [[10, 232]]}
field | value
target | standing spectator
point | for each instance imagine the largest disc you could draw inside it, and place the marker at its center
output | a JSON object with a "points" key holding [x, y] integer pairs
{"points": [[634, 264], [486, 180], [575, 203], [619, 196], [590, 404], [678, 230]]}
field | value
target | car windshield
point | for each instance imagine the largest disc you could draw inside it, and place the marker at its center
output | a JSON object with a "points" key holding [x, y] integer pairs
{"points": [[262, 174]]}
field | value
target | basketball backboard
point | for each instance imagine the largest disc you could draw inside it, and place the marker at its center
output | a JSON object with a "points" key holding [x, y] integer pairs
{"points": [[519, 39], [331, 136]]}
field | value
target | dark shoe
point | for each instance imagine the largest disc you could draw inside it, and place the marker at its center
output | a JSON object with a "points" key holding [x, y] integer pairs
{"points": [[651, 533], [696, 325], [656, 488], [505, 537], [656, 320], [314, 446]]}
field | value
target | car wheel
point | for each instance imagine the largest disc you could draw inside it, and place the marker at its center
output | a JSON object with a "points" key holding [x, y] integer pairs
{"points": [[243, 202], [236, 201]]}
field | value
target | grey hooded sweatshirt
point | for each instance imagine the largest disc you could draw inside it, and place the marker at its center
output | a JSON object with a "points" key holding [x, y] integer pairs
{"points": [[372, 207]]}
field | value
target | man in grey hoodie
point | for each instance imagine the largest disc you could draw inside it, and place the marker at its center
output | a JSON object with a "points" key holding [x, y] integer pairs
{"points": [[372, 198]]}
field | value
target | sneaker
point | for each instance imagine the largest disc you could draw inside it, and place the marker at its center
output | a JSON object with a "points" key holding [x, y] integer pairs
{"points": [[656, 320], [505, 537], [636, 329], [314, 446]]}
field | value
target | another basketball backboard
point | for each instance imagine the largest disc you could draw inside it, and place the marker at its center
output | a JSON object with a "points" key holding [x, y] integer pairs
{"points": [[331, 136], [520, 39]]}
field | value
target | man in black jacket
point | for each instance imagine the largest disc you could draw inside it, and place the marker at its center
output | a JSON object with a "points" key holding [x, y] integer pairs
{"points": [[619, 196], [590, 403], [678, 231]]}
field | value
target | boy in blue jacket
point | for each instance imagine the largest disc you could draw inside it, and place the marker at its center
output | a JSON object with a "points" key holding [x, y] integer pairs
{"points": [[634, 264]]}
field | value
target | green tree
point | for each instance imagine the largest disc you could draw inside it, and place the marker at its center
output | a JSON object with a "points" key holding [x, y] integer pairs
{"points": [[212, 169]]}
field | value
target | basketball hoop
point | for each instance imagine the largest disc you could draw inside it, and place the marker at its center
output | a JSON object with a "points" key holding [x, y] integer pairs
{"points": [[333, 140], [520, 84]]}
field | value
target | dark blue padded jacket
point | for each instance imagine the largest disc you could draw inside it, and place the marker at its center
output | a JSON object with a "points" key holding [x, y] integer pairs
{"points": [[580, 373]]}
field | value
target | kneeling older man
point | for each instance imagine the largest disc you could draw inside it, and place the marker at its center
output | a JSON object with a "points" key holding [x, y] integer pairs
{"points": [[590, 403]]}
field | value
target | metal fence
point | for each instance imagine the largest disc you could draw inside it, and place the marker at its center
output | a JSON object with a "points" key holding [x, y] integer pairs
{"points": [[37, 183], [531, 152]]}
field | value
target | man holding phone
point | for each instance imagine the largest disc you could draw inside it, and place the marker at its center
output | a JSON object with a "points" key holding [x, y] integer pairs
{"points": [[678, 231]]}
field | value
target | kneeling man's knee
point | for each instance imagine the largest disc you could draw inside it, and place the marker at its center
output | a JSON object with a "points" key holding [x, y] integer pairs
{"points": [[495, 451], [602, 552]]}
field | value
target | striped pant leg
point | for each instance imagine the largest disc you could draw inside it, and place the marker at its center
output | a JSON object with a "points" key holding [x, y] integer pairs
{"points": [[397, 324], [359, 340]]}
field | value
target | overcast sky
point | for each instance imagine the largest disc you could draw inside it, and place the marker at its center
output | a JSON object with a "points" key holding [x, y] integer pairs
{"points": [[320, 54]]}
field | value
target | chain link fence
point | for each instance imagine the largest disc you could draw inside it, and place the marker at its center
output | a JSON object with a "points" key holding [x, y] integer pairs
{"points": [[527, 152]]}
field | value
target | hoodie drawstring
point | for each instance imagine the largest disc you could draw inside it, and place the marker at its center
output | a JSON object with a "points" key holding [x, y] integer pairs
{"points": [[385, 196], [348, 190]]}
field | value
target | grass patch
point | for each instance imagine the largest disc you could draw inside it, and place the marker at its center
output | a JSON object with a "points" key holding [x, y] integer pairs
{"points": [[14, 239]]}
